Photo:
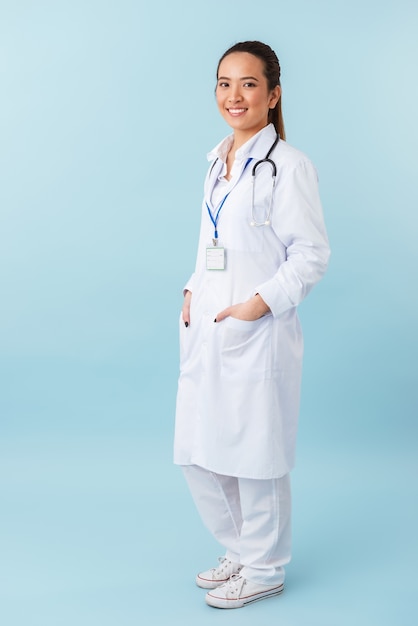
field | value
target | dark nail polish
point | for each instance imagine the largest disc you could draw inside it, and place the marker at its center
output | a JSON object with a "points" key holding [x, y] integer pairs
{"points": [[214, 319], [186, 324]]}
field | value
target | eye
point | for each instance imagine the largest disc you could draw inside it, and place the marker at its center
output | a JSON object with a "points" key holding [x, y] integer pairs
{"points": [[223, 84], [250, 85]]}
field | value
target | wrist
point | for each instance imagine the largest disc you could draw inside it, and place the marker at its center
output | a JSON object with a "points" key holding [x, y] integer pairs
{"points": [[261, 306]]}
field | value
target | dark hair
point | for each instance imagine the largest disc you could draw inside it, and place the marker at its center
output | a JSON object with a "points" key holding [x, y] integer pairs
{"points": [[271, 72]]}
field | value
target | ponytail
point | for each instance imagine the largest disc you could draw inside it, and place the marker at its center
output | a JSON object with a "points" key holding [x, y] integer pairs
{"points": [[276, 118]]}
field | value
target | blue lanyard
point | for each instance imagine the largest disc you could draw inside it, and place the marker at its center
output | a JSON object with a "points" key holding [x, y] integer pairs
{"points": [[215, 219]]}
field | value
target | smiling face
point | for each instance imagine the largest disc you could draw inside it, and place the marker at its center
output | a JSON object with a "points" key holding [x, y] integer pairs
{"points": [[242, 94]]}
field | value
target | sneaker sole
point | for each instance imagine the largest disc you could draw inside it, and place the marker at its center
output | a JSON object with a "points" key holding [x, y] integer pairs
{"points": [[223, 603]]}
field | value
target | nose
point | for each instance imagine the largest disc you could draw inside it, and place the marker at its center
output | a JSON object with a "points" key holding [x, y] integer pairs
{"points": [[234, 95]]}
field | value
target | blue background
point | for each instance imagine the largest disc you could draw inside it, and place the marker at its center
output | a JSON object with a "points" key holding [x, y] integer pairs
{"points": [[107, 111]]}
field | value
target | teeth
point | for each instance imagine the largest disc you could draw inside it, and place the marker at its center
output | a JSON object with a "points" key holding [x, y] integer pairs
{"points": [[236, 110]]}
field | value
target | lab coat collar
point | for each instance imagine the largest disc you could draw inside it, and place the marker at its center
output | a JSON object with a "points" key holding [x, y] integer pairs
{"points": [[254, 148]]}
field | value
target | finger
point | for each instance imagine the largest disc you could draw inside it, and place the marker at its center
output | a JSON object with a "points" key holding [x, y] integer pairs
{"points": [[186, 316], [186, 308], [222, 315]]}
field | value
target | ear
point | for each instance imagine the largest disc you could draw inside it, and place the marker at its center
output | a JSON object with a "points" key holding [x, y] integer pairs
{"points": [[275, 96]]}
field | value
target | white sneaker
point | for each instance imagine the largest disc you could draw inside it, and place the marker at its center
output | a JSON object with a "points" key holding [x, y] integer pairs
{"points": [[216, 576], [237, 592]]}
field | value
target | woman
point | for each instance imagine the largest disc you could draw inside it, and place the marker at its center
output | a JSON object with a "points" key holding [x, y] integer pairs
{"points": [[262, 247]]}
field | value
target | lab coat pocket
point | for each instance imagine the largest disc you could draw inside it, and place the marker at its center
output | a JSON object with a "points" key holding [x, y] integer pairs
{"points": [[246, 351]]}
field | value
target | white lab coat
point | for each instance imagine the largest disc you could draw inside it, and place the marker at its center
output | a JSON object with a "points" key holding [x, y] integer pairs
{"points": [[239, 384]]}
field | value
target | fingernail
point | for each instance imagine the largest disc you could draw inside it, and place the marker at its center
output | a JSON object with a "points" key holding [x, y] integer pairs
{"points": [[186, 324], [214, 319]]}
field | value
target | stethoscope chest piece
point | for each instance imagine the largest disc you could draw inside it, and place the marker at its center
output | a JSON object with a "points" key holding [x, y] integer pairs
{"points": [[266, 223]]}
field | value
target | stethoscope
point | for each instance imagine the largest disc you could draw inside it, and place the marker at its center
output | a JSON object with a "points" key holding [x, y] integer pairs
{"points": [[266, 159], [215, 216]]}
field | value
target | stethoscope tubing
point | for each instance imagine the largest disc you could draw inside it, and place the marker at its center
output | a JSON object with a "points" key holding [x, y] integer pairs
{"points": [[266, 159], [253, 222]]}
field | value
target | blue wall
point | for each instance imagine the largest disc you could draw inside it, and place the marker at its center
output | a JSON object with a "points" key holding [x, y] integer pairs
{"points": [[106, 114]]}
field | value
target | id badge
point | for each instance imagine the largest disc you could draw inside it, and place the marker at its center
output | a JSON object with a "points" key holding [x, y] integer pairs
{"points": [[215, 258]]}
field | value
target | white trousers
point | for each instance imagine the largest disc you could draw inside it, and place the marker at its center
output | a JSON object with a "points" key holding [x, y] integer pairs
{"points": [[249, 517]]}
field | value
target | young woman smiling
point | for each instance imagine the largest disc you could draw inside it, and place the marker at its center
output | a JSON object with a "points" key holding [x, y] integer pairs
{"points": [[262, 247]]}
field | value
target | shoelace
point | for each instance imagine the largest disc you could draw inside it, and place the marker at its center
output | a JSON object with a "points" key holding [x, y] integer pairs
{"points": [[234, 586], [223, 565]]}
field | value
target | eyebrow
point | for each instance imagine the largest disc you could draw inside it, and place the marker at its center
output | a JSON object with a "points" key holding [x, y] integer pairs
{"points": [[242, 78]]}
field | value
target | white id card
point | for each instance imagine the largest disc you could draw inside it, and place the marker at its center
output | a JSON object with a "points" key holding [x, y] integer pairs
{"points": [[215, 258]]}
